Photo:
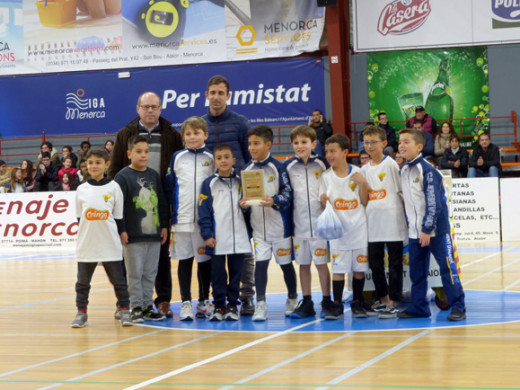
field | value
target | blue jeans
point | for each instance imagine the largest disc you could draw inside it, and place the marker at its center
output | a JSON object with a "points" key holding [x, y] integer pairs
{"points": [[476, 172]]}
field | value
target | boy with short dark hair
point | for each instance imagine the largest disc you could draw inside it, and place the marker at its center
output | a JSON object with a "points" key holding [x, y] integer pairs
{"points": [[144, 227], [386, 223], [428, 229], [270, 220], [223, 228], [188, 169], [46, 174], [345, 187], [304, 172], [99, 208], [455, 158]]}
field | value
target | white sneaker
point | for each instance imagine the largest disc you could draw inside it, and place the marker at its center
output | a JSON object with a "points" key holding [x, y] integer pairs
{"points": [[260, 311], [205, 309], [126, 318], [80, 321], [290, 306], [186, 313]]}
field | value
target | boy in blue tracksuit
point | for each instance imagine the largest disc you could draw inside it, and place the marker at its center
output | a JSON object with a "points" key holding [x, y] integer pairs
{"points": [[223, 228], [271, 220], [429, 229]]}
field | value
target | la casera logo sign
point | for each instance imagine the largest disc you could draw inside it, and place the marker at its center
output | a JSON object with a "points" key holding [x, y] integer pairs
{"points": [[403, 16]]}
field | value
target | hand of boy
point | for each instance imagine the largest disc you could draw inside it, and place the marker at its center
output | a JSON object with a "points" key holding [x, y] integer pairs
{"points": [[267, 202], [124, 238], [358, 178], [243, 203], [424, 239], [164, 235], [324, 199], [210, 242]]}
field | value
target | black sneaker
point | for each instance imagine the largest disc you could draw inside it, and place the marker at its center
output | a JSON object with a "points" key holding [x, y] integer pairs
{"points": [[325, 303], [406, 314], [389, 312], [303, 310], [151, 315], [137, 315], [357, 310], [376, 309], [456, 315], [334, 311], [231, 314], [247, 308]]}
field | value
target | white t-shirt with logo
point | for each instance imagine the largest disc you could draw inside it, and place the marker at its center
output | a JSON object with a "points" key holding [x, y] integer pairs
{"points": [[344, 196], [385, 208], [98, 207]]}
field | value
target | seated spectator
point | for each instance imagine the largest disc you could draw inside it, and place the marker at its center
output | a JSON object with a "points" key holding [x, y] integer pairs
{"points": [[323, 131], [399, 160], [46, 174], [428, 149], [66, 151], [442, 140], [455, 158], [16, 184], [83, 174], [28, 174], [429, 123], [82, 154], [391, 140], [47, 147], [484, 161], [109, 145], [67, 182], [364, 158], [5, 176], [68, 167]]}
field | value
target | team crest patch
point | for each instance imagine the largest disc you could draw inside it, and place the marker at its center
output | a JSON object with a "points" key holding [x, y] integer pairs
{"points": [[202, 198], [96, 215], [270, 179], [416, 180], [335, 256], [317, 174], [343, 204], [206, 163], [353, 186], [381, 176], [283, 252], [106, 197], [296, 247]]}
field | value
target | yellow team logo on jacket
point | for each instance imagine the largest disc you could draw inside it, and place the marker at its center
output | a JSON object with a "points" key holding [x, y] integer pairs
{"points": [[335, 257], [202, 198], [296, 247], [381, 176], [353, 186], [317, 174], [270, 178], [416, 180], [106, 197], [206, 163], [376, 195]]}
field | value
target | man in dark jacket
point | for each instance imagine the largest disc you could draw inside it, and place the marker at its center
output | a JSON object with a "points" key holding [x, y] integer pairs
{"points": [[228, 127], [164, 142], [391, 144], [484, 161], [323, 131], [46, 174]]}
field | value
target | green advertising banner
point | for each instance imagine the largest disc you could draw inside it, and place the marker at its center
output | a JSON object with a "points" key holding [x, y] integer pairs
{"points": [[452, 85]]}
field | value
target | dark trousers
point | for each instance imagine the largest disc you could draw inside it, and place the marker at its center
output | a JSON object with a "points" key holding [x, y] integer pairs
{"points": [[376, 261], [163, 280], [115, 273], [442, 249], [247, 280], [223, 288]]}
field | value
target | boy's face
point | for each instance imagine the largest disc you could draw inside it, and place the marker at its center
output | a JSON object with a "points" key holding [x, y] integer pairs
{"points": [[383, 119], [83, 167], [96, 167], [258, 147], [65, 152], [85, 147], [194, 138], [364, 159], [374, 145], [454, 143], [335, 156], [418, 126], [484, 141], [67, 163], [224, 161], [139, 155], [46, 161], [408, 148], [45, 148], [303, 146]]}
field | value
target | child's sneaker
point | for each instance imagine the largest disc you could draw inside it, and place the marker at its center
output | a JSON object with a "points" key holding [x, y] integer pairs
{"points": [[376, 309], [247, 308], [218, 315], [389, 312], [357, 310], [305, 309], [231, 314], [80, 321], [334, 311], [290, 306], [325, 303], [137, 315], [186, 311], [126, 318], [205, 309], [260, 311], [151, 315]]}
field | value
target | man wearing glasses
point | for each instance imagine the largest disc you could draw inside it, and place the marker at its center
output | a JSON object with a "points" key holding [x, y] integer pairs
{"points": [[164, 140]]}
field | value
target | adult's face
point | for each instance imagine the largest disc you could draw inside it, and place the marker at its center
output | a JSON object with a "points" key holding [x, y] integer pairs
{"points": [[420, 114], [383, 119], [149, 109], [217, 95], [45, 148]]}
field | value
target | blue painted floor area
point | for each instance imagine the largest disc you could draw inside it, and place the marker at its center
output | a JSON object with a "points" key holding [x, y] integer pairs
{"points": [[464, 250], [483, 307]]}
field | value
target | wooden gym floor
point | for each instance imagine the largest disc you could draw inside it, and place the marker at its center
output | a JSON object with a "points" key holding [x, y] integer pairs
{"points": [[39, 350]]}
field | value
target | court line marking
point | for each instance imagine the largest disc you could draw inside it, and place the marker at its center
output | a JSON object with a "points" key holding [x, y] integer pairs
{"points": [[501, 267], [217, 357], [288, 361], [107, 368], [78, 354], [375, 360]]}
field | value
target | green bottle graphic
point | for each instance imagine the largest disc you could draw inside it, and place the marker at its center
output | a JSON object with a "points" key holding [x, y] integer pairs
{"points": [[439, 102]]}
